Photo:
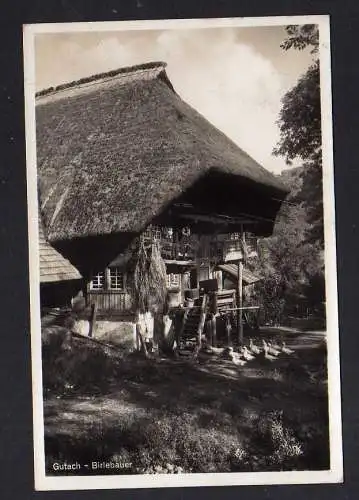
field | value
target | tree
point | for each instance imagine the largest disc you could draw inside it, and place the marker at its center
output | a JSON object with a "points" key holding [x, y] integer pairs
{"points": [[291, 260], [302, 36], [300, 120], [290, 266], [300, 129]]}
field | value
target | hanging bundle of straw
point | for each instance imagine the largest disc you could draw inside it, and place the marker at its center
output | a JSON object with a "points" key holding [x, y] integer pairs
{"points": [[149, 280], [141, 286], [157, 277]]}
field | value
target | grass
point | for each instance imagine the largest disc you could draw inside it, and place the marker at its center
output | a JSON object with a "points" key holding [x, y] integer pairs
{"points": [[172, 416]]}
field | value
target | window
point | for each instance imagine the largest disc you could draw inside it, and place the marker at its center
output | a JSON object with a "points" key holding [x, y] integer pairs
{"points": [[98, 281], [116, 279], [173, 280], [153, 233], [110, 279], [157, 233]]}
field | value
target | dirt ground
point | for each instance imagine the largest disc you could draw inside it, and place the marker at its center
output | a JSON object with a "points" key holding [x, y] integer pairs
{"points": [[198, 415]]}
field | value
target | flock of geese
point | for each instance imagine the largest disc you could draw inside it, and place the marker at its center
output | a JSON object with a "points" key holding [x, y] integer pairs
{"points": [[267, 351]]}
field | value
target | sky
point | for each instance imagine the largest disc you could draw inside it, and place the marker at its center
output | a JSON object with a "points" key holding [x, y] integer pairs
{"points": [[234, 76]]}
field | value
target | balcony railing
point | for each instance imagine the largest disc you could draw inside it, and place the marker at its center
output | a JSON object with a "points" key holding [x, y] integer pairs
{"points": [[177, 251]]}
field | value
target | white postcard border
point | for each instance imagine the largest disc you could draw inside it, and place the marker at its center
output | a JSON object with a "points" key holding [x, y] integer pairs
{"points": [[335, 474]]}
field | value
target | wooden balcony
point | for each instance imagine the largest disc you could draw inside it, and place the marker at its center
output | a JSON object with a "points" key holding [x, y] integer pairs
{"points": [[177, 252], [177, 248]]}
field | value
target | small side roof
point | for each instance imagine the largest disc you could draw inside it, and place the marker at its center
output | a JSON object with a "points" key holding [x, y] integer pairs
{"points": [[232, 270], [53, 266]]}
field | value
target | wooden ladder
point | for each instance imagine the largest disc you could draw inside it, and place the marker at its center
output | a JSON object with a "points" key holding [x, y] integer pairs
{"points": [[224, 299], [190, 337]]}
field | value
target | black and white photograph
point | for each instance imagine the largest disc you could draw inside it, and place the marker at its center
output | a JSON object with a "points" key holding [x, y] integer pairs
{"points": [[182, 253]]}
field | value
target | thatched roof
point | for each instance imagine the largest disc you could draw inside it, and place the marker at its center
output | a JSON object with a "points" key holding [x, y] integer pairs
{"points": [[115, 150], [53, 266], [249, 278]]}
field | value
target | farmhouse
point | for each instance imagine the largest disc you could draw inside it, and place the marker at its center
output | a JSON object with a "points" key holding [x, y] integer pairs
{"points": [[121, 157]]}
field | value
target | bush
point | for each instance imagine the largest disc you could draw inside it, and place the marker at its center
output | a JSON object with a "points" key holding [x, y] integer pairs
{"points": [[276, 442], [174, 444]]}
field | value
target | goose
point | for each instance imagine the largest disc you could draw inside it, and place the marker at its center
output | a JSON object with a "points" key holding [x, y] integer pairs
{"points": [[266, 354], [237, 360], [275, 346], [286, 349], [253, 348], [272, 350], [246, 354], [241, 351], [227, 353], [265, 346]]}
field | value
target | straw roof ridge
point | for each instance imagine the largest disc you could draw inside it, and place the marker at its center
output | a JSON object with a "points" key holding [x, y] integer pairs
{"points": [[138, 69]]}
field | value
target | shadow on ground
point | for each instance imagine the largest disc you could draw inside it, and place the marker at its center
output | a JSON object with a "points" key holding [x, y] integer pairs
{"points": [[205, 415]]}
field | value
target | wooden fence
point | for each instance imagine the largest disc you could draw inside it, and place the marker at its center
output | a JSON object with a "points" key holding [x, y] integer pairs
{"points": [[110, 300]]}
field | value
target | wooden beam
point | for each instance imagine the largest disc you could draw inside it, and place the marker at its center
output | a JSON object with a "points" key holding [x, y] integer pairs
{"points": [[216, 219], [240, 302], [180, 262], [240, 297], [192, 212], [242, 308]]}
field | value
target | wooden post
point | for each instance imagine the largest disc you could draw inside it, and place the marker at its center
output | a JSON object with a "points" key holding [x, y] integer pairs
{"points": [[181, 330], [176, 246], [208, 326], [201, 321], [214, 330], [93, 319], [142, 340], [107, 278], [214, 320], [228, 330], [215, 302], [240, 302]]}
